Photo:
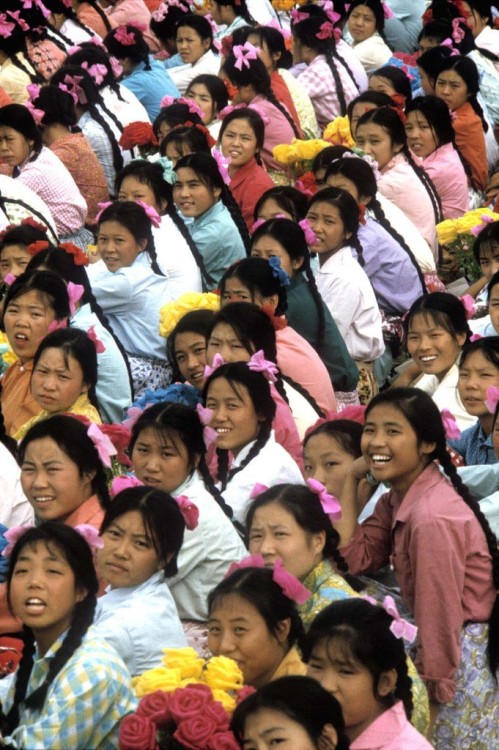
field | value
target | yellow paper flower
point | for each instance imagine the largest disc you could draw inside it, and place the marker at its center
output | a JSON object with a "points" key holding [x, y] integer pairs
{"points": [[160, 678], [284, 153], [446, 232], [185, 659], [338, 132], [227, 701], [170, 314], [222, 673]]}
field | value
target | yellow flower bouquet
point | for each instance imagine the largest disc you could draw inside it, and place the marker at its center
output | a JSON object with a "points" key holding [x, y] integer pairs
{"points": [[338, 132], [457, 237], [170, 314]]}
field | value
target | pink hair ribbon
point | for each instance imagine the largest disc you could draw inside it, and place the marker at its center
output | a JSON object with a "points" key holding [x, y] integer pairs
{"points": [[297, 16], [90, 535], [310, 236], [387, 11], [9, 279], [6, 27], [277, 26], [222, 164], [330, 503], [37, 114], [102, 443], [133, 414], [205, 415], [33, 90], [115, 66], [258, 363], [192, 106], [218, 361], [102, 207], [127, 39], [400, 628], [16, 15], [457, 31], [492, 394], [326, 31], [328, 7], [167, 101], [151, 213], [291, 586], [256, 224], [71, 85], [12, 535], [124, 482], [75, 293], [257, 490], [452, 431], [475, 337], [56, 324], [99, 346], [160, 13], [468, 304], [449, 43], [243, 54], [189, 510], [485, 219], [97, 71]]}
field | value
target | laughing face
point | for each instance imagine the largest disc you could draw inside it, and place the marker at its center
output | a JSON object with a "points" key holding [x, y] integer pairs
{"points": [[27, 320], [433, 348], [234, 417]]}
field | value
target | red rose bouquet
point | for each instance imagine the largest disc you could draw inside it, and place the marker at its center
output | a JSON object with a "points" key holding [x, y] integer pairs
{"points": [[140, 135]]}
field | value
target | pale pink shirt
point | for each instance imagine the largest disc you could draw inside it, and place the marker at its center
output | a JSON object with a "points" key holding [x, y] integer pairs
{"points": [[133, 12], [401, 185], [318, 80], [446, 171], [391, 731], [277, 130], [443, 566]]}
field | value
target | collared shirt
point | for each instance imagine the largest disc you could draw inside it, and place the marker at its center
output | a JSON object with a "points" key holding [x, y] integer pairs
{"points": [[18, 405], [319, 82], [247, 185], [446, 396], [277, 130], [84, 703], [175, 258], [325, 586], [446, 171], [443, 566], [101, 146], [373, 52], [474, 446], [290, 665], [81, 406], [150, 86], [391, 731], [90, 511]]}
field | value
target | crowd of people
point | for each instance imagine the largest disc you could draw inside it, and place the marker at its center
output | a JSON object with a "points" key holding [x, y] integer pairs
{"points": [[249, 301]]}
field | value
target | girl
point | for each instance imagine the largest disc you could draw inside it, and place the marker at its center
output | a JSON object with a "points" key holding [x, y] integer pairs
{"points": [[52, 589], [306, 311], [457, 84], [430, 136], [142, 74], [62, 474], [195, 46], [351, 650], [32, 303], [218, 229], [254, 280], [242, 411], [254, 621], [307, 717], [187, 346], [114, 384], [16, 72], [178, 256], [65, 21], [366, 23], [437, 329], [175, 115], [131, 289], [364, 103], [38, 168], [64, 377], [230, 15], [481, 22], [342, 283], [282, 201], [210, 94], [394, 82], [163, 25], [253, 89], [386, 258], [478, 371], [241, 140], [380, 133], [452, 597], [14, 242], [429, 63], [90, 13], [184, 140], [327, 78], [168, 453], [486, 254], [142, 534]]}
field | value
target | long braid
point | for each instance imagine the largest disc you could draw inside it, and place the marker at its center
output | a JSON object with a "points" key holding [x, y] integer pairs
{"points": [[171, 211], [74, 18], [212, 488], [306, 395], [222, 465], [103, 319], [22, 679], [237, 217], [151, 251], [269, 94], [479, 111], [319, 304], [260, 443], [117, 155], [347, 68], [337, 82], [493, 644], [108, 113], [357, 246], [403, 688], [35, 76], [428, 185]]}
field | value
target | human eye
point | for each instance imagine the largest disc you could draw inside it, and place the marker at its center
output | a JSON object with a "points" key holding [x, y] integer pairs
{"points": [[226, 296], [112, 533], [141, 544], [368, 430], [255, 535], [213, 629], [199, 350], [141, 449], [122, 196], [64, 376], [19, 570], [308, 468], [239, 630], [330, 464], [210, 404], [4, 264], [315, 665]]}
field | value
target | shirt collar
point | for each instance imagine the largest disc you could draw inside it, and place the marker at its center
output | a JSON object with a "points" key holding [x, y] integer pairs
{"points": [[383, 730], [429, 477]]}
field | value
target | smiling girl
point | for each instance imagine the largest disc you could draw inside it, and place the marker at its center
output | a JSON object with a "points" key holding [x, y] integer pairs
{"points": [[195, 46]]}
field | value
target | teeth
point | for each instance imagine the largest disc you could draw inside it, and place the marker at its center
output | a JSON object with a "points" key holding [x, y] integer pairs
{"points": [[428, 359], [379, 457], [35, 600], [222, 430], [43, 499]]}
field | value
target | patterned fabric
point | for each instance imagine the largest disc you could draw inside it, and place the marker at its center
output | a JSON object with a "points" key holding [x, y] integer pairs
{"points": [[326, 586], [84, 703], [81, 406], [319, 83], [149, 373], [45, 56], [471, 721], [474, 446], [196, 634], [367, 387]]}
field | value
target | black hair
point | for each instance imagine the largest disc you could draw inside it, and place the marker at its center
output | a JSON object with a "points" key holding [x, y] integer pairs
{"points": [[137, 52], [163, 23], [186, 139], [349, 214], [398, 79], [180, 423], [38, 31], [439, 29], [134, 218], [22, 234], [70, 434], [306, 32], [73, 343], [195, 321], [59, 7], [216, 88], [175, 115], [100, 12], [424, 417], [487, 345], [163, 521], [20, 119], [88, 54], [302, 700], [486, 240], [255, 122], [288, 198], [14, 43], [446, 310], [275, 42], [376, 98], [200, 25], [78, 555], [376, 6], [240, 8], [49, 286], [432, 60], [362, 631], [258, 276], [345, 431], [324, 158], [206, 169], [468, 71], [57, 105]]}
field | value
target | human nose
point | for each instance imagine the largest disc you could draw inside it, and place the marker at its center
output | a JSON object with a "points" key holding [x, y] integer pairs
{"points": [[226, 643], [39, 479], [192, 361], [319, 474], [49, 382], [267, 545], [121, 549], [152, 462]]}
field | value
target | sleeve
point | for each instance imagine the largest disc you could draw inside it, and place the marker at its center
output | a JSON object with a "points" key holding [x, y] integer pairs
{"points": [[370, 547], [116, 634], [342, 301], [113, 293]]}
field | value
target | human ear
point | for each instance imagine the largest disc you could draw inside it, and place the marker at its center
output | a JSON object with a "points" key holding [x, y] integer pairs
{"points": [[80, 594], [427, 448], [319, 541], [142, 244], [328, 739], [347, 235], [282, 630], [387, 682]]}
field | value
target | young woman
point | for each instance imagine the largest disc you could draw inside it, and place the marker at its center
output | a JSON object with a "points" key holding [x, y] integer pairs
{"points": [[14, 242], [478, 371], [306, 311], [481, 22], [187, 346], [38, 168], [430, 136], [64, 20], [452, 598], [328, 80], [176, 115], [52, 589], [366, 23], [241, 140], [282, 201], [255, 622], [194, 42], [218, 229], [64, 377], [241, 413], [353, 653], [184, 140], [210, 94], [131, 290], [230, 15], [291, 710], [163, 25], [334, 217], [142, 534], [33, 302], [392, 81]]}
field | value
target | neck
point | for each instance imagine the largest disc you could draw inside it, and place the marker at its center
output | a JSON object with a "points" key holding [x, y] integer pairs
{"points": [[486, 421], [403, 484], [323, 257], [53, 132]]}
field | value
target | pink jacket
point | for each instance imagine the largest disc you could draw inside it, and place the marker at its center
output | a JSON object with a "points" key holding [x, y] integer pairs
{"points": [[277, 130], [391, 731], [445, 169]]}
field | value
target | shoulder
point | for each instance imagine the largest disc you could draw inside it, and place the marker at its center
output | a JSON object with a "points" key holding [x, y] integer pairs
{"points": [[96, 659]]}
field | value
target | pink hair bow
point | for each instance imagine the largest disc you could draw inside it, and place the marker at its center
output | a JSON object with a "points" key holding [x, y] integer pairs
{"points": [[452, 431], [102, 207], [387, 11], [222, 164], [37, 114], [326, 30], [257, 490], [124, 482], [475, 337], [99, 346], [328, 7], [167, 101], [277, 26], [291, 586], [256, 224], [205, 415], [151, 213], [12, 535], [310, 236], [468, 304], [492, 394], [160, 13], [218, 361], [71, 86], [400, 628], [56, 324], [192, 106], [243, 54], [33, 90], [75, 293], [485, 219], [258, 363], [115, 66], [457, 31], [449, 43], [6, 27], [133, 413], [189, 510], [330, 503], [97, 71], [16, 15], [250, 561], [90, 535], [297, 16], [127, 39], [102, 443], [9, 279]]}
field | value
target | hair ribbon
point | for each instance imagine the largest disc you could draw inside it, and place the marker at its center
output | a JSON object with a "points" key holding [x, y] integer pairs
{"points": [[75, 293], [102, 443], [127, 39], [469, 305], [257, 490], [291, 586], [243, 54], [278, 272], [452, 431], [297, 16], [222, 164], [218, 361], [150, 212], [258, 363], [89, 533], [99, 345], [55, 325], [400, 628], [6, 27], [189, 511], [98, 71], [310, 236], [102, 206], [492, 394], [326, 31], [330, 503]]}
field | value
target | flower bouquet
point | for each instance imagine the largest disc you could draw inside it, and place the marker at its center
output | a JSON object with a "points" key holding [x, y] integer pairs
{"points": [[299, 157], [338, 133], [456, 238], [139, 135], [186, 704]]}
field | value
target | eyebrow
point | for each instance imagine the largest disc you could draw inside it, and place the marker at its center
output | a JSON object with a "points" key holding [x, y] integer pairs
{"points": [[136, 536]]}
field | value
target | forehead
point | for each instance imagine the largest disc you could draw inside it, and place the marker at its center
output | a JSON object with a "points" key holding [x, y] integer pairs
{"points": [[267, 242], [235, 283], [45, 449], [31, 298], [221, 388], [240, 125], [325, 209], [42, 549], [384, 413], [113, 227], [322, 443], [132, 182], [450, 76], [198, 89], [371, 130], [184, 174], [417, 117], [274, 513]]}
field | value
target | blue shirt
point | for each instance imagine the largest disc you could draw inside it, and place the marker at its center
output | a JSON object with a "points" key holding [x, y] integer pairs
{"points": [[173, 61], [150, 86], [474, 447]]}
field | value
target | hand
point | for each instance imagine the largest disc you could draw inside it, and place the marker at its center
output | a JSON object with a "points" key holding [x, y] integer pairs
{"points": [[492, 189], [359, 468]]}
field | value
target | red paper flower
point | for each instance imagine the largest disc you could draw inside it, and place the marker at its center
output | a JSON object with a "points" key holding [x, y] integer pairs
{"points": [[38, 246], [223, 741], [189, 702], [217, 712], [79, 257], [195, 732], [137, 733], [137, 134], [120, 436], [156, 706], [245, 692]]}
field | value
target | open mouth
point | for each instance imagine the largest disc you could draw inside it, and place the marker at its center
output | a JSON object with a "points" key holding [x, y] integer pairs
{"points": [[380, 459], [43, 499], [428, 359], [34, 606]]}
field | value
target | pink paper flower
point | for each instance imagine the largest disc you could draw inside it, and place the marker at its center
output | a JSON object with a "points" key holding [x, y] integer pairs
{"points": [[124, 482], [133, 413], [9, 279], [205, 415], [99, 346], [468, 304], [189, 510]]}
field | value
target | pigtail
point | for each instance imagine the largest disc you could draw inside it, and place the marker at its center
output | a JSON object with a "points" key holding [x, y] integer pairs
{"points": [[172, 213], [312, 285], [347, 68], [428, 185], [269, 94], [108, 112], [151, 251], [95, 6], [260, 443], [74, 18], [99, 312], [479, 111], [117, 155], [356, 244], [237, 217], [21, 680], [212, 488], [306, 395], [222, 466], [337, 82], [403, 688], [35, 77]]}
